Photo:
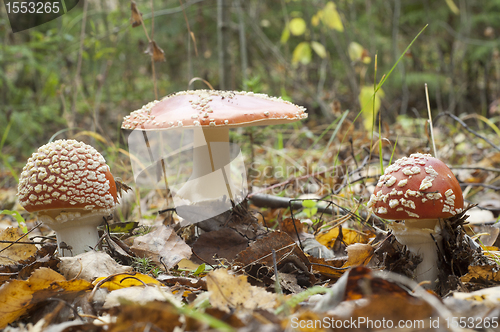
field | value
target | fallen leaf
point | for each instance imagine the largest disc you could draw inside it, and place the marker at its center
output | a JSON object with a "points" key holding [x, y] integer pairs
{"points": [[138, 295], [15, 252], [125, 280], [349, 236], [18, 296], [330, 268], [44, 257], [225, 243], [488, 296], [163, 246], [480, 216], [260, 251], [158, 316], [358, 254], [234, 292], [478, 273], [287, 225], [361, 283], [91, 265]]}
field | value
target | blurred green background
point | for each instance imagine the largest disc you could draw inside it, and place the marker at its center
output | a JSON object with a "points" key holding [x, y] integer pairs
{"points": [[87, 69]]}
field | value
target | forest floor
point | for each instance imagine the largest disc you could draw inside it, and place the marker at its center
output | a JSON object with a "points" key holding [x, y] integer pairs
{"points": [[302, 252]]}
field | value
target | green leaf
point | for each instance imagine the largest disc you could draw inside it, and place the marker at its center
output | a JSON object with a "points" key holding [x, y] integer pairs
{"points": [[370, 108], [355, 51], [20, 220], [331, 17], [308, 203], [453, 7], [319, 49], [199, 270], [123, 227], [297, 26], [285, 35], [302, 54]]}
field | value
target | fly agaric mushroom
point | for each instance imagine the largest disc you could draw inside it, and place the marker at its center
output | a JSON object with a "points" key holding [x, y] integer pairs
{"points": [[211, 113], [70, 186], [418, 190]]}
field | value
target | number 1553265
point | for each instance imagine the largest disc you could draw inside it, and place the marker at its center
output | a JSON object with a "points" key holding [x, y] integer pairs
{"points": [[27, 7]]}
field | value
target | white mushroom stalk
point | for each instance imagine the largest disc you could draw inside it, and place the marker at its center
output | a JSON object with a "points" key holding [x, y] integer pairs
{"points": [[210, 114], [70, 186], [419, 191]]}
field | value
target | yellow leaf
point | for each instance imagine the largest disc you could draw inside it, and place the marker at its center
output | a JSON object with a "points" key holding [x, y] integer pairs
{"points": [[15, 252], [297, 26], [369, 108], [18, 296], [186, 264], [228, 291], [285, 35], [453, 7], [349, 236], [124, 280], [331, 17], [92, 134], [355, 51], [358, 254], [319, 49], [316, 19], [302, 54]]}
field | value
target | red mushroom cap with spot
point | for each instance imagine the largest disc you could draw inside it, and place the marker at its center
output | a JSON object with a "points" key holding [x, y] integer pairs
{"points": [[213, 108], [66, 174], [417, 187]]}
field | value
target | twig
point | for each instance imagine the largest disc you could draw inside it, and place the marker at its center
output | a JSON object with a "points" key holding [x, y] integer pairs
{"points": [[430, 120], [454, 117], [484, 185], [287, 182], [22, 236], [155, 85], [66, 304], [277, 284], [487, 169]]}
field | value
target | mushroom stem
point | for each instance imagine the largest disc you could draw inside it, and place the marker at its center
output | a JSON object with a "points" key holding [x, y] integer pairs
{"points": [[210, 178], [79, 232], [420, 242]]}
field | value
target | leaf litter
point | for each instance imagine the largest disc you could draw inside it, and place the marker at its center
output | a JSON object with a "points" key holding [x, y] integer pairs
{"points": [[264, 265]]}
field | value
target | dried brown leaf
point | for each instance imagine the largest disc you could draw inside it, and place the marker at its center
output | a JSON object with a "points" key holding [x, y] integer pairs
{"points": [[234, 292], [478, 273], [225, 243], [15, 252], [164, 244], [155, 51], [136, 18], [160, 316], [261, 250], [90, 265]]}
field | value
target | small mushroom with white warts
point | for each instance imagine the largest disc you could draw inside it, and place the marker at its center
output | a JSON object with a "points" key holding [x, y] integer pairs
{"points": [[418, 190], [70, 186]]}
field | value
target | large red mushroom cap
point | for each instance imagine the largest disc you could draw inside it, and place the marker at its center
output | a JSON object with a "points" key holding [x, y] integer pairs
{"points": [[213, 108], [417, 187], [67, 174]]}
